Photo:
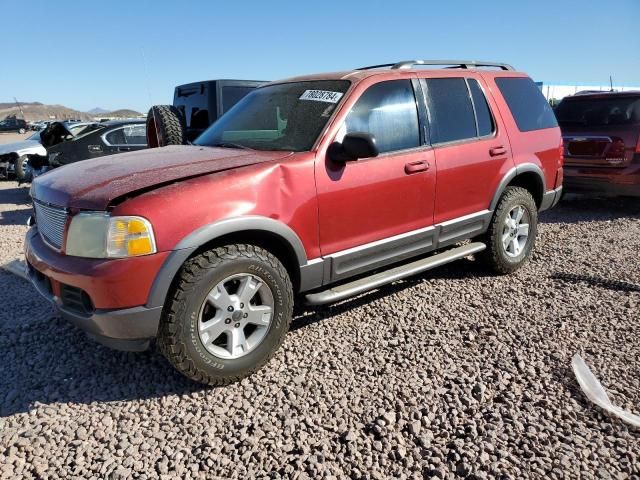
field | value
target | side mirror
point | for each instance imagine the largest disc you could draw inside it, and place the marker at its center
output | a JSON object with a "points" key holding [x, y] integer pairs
{"points": [[354, 145]]}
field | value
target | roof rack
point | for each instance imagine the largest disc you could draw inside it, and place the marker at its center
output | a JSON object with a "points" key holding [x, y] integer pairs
{"points": [[406, 64]]}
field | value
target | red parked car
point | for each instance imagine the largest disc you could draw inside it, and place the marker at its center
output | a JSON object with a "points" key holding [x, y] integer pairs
{"points": [[325, 185], [601, 133]]}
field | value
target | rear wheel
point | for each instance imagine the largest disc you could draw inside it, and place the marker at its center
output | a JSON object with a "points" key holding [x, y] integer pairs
{"points": [[512, 232], [228, 314], [21, 131], [165, 126]]}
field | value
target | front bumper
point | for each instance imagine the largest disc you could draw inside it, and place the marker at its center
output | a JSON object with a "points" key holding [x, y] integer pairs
{"points": [[127, 327]]}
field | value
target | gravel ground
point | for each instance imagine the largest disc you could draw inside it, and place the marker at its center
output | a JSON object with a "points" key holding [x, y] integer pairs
{"points": [[455, 373]]}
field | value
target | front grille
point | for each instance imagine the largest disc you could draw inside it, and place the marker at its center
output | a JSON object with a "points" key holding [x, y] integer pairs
{"points": [[51, 221]]}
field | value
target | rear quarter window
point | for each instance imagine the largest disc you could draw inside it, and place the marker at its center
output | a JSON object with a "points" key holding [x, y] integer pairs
{"points": [[528, 106]]}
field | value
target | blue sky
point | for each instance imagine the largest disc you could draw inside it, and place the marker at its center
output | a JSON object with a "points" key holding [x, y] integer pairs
{"points": [[117, 54]]}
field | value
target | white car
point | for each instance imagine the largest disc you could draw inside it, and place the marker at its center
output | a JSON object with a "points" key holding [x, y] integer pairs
{"points": [[10, 153]]}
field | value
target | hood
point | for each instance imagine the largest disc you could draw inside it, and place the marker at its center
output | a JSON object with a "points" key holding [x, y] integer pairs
{"points": [[94, 184], [20, 146]]}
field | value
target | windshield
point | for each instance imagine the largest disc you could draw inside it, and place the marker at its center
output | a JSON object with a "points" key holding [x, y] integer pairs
{"points": [[35, 136], [285, 116], [596, 112]]}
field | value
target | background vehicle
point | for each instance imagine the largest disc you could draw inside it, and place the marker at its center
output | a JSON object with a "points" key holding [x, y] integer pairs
{"points": [[602, 142], [13, 124], [90, 140], [195, 106], [12, 154], [326, 185]]}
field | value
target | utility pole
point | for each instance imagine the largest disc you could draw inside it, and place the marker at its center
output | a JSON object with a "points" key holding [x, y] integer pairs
{"points": [[19, 106]]}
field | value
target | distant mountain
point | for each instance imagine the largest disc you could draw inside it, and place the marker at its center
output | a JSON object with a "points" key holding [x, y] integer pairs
{"points": [[37, 111], [122, 113], [97, 111], [6, 105]]}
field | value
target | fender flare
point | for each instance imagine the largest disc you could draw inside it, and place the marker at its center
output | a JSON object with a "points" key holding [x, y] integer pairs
{"points": [[513, 173], [185, 247]]}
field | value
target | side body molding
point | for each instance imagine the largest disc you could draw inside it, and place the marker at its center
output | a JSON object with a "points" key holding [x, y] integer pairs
{"points": [[513, 173], [206, 233]]}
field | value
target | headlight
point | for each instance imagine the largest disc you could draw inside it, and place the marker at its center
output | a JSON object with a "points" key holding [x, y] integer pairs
{"points": [[98, 235]]}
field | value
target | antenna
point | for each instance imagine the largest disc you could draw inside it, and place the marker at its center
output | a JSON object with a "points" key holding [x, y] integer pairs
{"points": [[611, 82]]}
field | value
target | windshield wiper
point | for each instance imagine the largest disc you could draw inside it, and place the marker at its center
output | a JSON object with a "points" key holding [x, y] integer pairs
{"points": [[231, 145]]}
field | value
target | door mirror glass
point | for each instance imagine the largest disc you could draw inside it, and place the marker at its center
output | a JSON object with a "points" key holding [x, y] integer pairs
{"points": [[354, 145]]}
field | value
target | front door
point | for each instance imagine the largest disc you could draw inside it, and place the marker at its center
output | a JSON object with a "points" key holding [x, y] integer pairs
{"points": [[378, 210]]}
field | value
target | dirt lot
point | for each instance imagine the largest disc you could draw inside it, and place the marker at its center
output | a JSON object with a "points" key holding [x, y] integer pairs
{"points": [[13, 137], [453, 374]]}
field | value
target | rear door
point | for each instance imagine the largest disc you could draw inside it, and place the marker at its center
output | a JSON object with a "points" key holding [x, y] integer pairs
{"points": [[471, 149]]}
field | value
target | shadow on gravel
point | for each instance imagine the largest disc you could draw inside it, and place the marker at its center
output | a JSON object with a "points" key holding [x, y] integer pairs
{"points": [[305, 315], [15, 195], [581, 208], [617, 285], [15, 217]]}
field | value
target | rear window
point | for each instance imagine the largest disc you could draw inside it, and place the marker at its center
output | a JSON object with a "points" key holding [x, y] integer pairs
{"points": [[528, 106], [597, 112]]}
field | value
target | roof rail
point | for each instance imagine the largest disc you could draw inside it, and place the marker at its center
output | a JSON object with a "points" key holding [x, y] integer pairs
{"points": [[451, 64]]}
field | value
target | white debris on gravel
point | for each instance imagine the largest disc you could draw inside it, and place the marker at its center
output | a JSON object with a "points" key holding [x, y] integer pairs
{"points": [[595, 392], [452, 374]]}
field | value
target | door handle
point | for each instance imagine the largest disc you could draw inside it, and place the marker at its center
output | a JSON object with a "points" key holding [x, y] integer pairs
{"points": [[497, 151], [414, 167]]}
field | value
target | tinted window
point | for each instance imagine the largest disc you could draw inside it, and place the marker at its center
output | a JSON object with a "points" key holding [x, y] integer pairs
{"points": [[285, 116], [598, 111], [388, 111], [450, 110], [528, 106], [232, 95], [483, 113]]}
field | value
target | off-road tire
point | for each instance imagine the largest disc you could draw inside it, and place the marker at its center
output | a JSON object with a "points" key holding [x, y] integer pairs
{"points": [[165, 126], [178, 337], [495, 256], [21, 175]]}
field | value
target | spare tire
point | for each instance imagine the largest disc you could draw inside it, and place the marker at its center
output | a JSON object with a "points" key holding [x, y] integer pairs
{"points": [[165, 126]]}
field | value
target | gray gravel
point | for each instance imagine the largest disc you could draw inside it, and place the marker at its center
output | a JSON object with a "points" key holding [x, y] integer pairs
{"points": [[455, 373]]}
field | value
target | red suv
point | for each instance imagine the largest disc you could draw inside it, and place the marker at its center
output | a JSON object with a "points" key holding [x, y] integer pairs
{"points": [[325, 185], [602, 142]]}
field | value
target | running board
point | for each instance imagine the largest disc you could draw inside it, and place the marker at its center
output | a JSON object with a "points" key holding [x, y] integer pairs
{"points": [[346, 290]]}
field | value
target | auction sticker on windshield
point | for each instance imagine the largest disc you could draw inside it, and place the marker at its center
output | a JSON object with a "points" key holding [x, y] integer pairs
{"points": [[321, 96]]}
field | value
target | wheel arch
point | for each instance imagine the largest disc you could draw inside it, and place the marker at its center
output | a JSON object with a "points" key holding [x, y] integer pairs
{"points": [[527, 175], [270, 234]]}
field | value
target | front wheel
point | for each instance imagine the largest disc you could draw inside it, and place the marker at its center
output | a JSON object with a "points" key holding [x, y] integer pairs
{"points": [[511, 236], [227, 315], [24, 172]]}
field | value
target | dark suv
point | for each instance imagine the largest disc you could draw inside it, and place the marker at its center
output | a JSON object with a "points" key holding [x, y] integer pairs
{"points": [[13, 125], [601, 133], [318, 188]]}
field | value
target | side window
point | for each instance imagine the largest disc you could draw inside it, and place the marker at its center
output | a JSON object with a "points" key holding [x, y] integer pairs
{"points": [[450, 110], [483, 113], [135, 134], [129, 135], [388, 111], [528, 106]]}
